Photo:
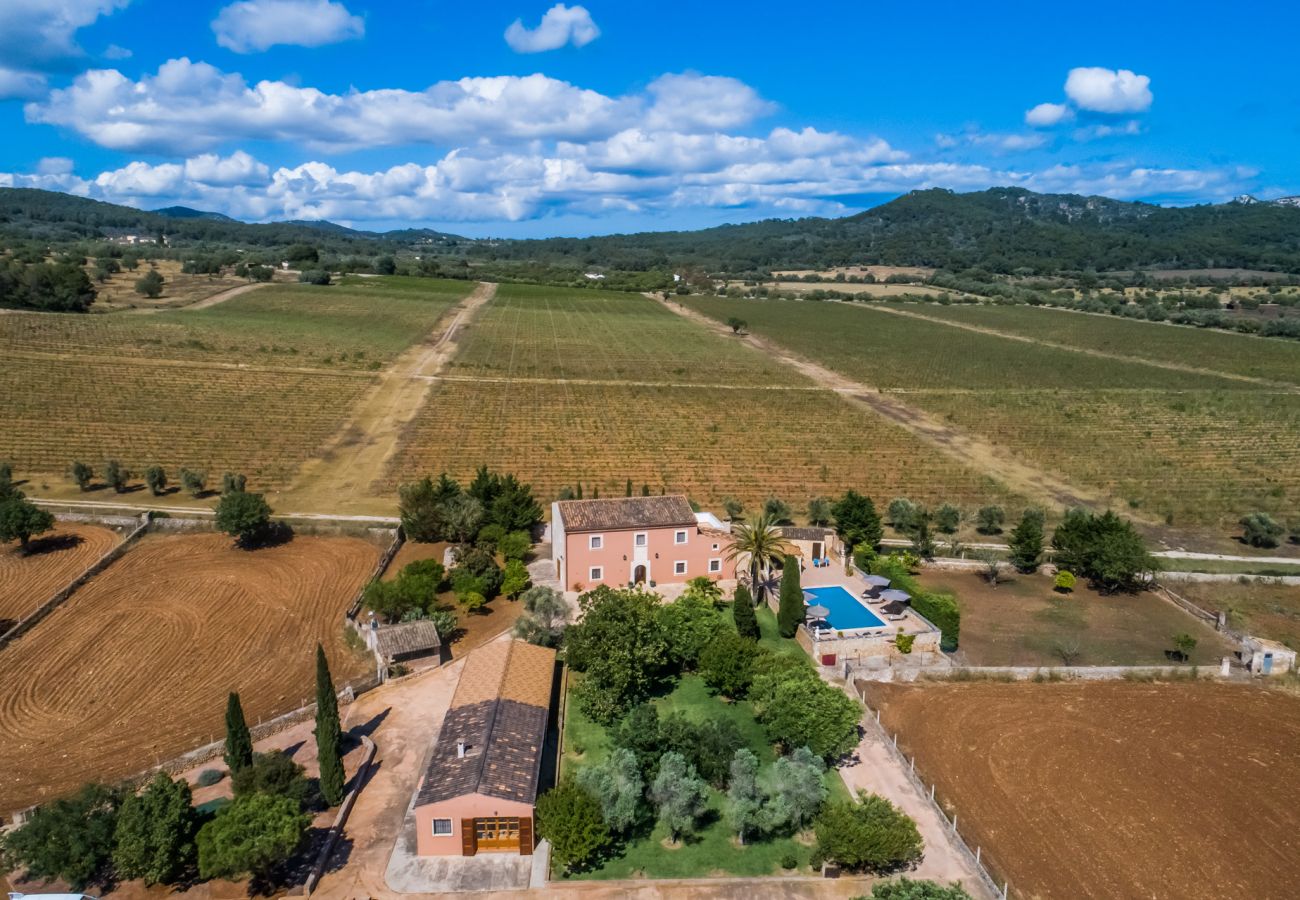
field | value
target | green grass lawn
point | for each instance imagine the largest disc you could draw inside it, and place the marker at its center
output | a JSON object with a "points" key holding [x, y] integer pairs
{"points": [[712, 851]]}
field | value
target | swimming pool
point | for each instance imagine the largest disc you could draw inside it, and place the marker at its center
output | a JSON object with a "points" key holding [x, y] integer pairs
{"points": [[846, 611]]}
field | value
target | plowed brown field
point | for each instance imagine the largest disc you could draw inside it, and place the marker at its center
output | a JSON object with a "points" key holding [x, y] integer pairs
{"points": [[56, 559], [1114, 790], [136, 666]]}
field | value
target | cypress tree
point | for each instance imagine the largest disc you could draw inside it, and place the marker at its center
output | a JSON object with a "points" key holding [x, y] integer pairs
{"points": [[329, 738], [239, 743], [628, 490], [742, 611], [790, 611], [1027, 542]]}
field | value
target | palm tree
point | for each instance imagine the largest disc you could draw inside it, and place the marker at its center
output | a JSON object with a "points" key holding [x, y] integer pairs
{"points": [[762, 542]]}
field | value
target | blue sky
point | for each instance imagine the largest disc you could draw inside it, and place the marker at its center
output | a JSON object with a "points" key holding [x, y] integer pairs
{"points": [[602, 117]]}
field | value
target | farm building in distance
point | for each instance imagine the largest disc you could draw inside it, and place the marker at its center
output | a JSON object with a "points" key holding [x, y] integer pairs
{"points": [[478, 792], [637, 540]]}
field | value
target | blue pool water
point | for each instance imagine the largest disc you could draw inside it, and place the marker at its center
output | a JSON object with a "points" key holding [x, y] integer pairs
{"points": [[846, 611]]}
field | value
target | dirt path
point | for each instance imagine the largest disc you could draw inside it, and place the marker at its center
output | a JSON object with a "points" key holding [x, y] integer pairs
{"points": [[1086, 351], [1019, 476], [220, 297], [355, 457]]}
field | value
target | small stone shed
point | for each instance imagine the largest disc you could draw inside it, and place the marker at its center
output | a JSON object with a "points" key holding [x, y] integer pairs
{"points": [[1265, 657], [405, 642]]}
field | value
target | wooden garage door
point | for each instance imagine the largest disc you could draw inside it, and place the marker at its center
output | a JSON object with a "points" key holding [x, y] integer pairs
{"points": [[497, 833]]}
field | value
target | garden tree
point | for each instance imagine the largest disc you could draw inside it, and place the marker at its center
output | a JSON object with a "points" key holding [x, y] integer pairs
{"points": [[1184, 644], [239, 743], [704, 589], [992, 563], [1027, 542], [777, 510], [627, 489], [742, 613], [947, 518], [194, 481], [116, 476], [870, 834], [462, 516], [790, 612], [797, 790], [989, 520], [807, 712], [819, 511], [761, 544], [726, 663], [414, 588], [275, 773], [919, 532], [1105, 549], [515, 545], [736, 324], [514, 580], [233, 483], [21, 520], [476, 572], [245, 517], [69, 839], [252, 835], [329, 736], [744, 796], [506, 501], [156, 479], [907, 889], [418, 505], [154, 838], [314, 276], [900, 513], [688, 624], [708, 745], [82, 474], [856, 522], [732, 508], [150, 284], [617, 786], [645, 490], [1064, 582], [546, 614], [571, 820], [620, 646], [489, 537], [1260, 530], [679, 796]]}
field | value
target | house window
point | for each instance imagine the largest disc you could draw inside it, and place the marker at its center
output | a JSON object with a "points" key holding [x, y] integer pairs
{"points": [[596, 573], [715, 548], [679, 537], [641, 539], [596, 541], [441, 827], [679, 567], [715, 565]]}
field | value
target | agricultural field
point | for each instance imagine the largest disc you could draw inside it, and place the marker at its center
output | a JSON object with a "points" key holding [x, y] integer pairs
{"points": [[357, 325], [540, 332], [1024, 622], [880, 273], [1188, 790], [54, 560], [872, 291], [179, 289], [708, 442], [136, 666], [263, 423], [1179, 447], [1268, 610], [1220, 351]]}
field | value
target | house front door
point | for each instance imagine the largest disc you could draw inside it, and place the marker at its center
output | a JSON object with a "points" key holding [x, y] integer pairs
{"points": [[638, 575]]}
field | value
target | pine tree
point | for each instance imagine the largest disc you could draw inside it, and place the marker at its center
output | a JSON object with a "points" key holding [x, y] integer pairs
{"points": [[1027, 543], [742, 611], [239, 743], [791, 611], [329, 739]]}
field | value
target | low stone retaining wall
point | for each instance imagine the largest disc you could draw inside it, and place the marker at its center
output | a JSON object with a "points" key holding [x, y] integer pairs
{"points": [[1068, 673], [341, 819], [32, 618], [385, 559]]}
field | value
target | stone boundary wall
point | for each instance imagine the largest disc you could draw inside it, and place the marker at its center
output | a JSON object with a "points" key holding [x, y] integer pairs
{"points": [[1067, 673], [26, 624], [341, 819], [385, 558]]}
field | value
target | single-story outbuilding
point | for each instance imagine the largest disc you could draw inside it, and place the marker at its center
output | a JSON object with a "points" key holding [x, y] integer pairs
{"points": [[480, 786], [405, 642], [812, 542], [1267, 657]]}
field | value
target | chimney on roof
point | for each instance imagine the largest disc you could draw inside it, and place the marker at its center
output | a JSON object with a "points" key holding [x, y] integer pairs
{"points": [[460, 749]]}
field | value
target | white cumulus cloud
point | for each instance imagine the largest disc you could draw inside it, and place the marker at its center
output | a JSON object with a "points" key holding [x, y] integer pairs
{"points": [[560, 25], [1110, 91], [40, 34], [251, 26], [20, 85], [1045, 115]]}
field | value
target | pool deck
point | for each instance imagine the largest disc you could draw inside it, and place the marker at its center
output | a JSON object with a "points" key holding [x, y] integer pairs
{"points": [[833, 576]]}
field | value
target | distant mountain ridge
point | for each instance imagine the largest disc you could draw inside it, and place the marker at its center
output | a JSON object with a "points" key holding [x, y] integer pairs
{"points": [[184, 212], [1249, 200]]}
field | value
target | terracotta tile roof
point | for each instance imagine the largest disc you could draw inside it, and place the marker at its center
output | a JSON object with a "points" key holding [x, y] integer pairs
{"points": [[499, 711], [406, 638], [626, 512]]}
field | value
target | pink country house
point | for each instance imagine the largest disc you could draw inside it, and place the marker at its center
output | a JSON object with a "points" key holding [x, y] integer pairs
{"points": [[636, 540]]}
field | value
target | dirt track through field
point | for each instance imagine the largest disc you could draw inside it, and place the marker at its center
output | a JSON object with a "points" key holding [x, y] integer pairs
{"points": [[1013, 472], [136, 666], [1116, 789], [56, 559], [206, 302], [1085, 351], [358, 453]]}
